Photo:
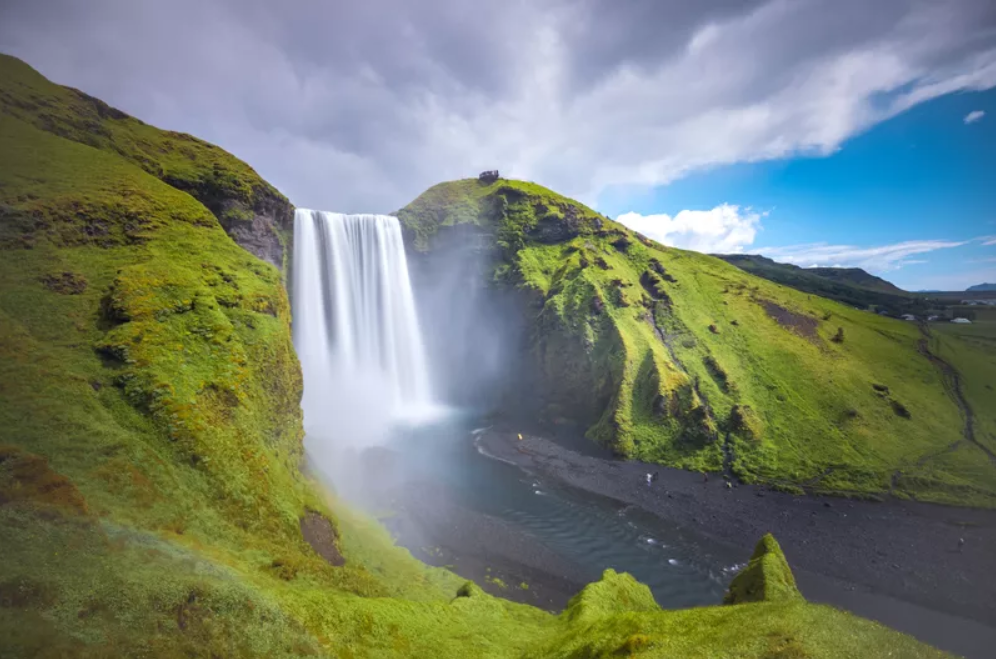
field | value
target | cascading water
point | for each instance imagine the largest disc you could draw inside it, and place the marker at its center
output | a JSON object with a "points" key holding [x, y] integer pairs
{"points": [[355, 327]]}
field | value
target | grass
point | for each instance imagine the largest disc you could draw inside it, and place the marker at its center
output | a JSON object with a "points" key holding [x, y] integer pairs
{"points": [[671, 355], [971, 349], [151, 489], [228, 187]]}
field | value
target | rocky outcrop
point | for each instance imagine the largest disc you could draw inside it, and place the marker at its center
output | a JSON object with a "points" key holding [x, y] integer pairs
{"points": [[265, 230]]}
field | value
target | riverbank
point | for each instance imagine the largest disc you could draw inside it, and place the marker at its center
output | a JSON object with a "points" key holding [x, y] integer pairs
{"points": [[898, 562]]}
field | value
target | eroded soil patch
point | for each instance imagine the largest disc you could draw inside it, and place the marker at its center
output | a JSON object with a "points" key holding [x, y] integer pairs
{"points": [[804, 326]]}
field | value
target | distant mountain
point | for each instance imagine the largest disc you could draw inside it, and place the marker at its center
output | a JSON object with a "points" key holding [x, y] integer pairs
{"points": [[857, 277], [981, 287], [851, 286]]}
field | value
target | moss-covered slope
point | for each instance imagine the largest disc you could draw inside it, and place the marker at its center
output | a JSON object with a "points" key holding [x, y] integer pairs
{"points": [[251, 210], [152, 502], [151, 494], [679, 358]]}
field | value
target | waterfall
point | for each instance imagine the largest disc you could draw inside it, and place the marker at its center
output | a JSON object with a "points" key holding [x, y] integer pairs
{"points": [[355, 326]]}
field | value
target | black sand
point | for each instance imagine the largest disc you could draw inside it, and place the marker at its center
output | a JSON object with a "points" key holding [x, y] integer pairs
{"points": [[898, 562]]}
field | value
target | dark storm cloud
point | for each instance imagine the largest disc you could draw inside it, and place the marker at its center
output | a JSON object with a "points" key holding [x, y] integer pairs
{"points": [[361, 105]]}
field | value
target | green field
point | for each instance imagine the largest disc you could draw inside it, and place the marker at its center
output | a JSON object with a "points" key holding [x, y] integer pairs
{"points": [[971, 349]]}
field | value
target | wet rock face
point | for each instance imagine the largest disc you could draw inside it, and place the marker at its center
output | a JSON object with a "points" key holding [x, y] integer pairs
{"points": [[553, 228], [258, 230]]}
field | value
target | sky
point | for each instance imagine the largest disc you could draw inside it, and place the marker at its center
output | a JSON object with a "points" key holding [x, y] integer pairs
{"points": [[817, 132]]}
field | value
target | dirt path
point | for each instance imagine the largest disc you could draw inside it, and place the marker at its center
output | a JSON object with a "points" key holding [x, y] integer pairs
{"points": [[952, 384]]}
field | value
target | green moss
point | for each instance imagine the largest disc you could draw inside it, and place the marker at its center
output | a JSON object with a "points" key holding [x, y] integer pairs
{"points": [[766, 578], [613, 593], [226, 185]]}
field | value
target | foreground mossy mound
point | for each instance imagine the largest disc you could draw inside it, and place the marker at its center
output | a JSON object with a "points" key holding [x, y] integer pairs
{"points": [[679, 358], [766, 578], [152, 498]]}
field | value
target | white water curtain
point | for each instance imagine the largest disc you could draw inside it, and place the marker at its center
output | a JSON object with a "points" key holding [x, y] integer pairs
{"points": [[356, 330]]}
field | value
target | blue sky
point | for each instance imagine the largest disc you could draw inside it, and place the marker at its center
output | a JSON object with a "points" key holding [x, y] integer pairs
{"points": [[896, 200]]}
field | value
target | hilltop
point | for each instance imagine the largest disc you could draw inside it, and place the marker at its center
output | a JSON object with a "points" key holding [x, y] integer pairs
{"points": [[153, 500], [682, 359], [981, 287]]}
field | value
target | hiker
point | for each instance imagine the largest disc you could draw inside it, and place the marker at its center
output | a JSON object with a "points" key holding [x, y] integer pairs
{"points": [[961, 544], [650, 479]]}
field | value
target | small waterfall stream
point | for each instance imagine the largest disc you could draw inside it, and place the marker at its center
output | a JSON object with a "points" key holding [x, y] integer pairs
{"points": [[355, 326]]}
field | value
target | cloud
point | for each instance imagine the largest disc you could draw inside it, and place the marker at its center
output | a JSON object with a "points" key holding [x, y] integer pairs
{"points": [[722, 230], [988, 241], [974, 116], [361, 106], [881, 258]]}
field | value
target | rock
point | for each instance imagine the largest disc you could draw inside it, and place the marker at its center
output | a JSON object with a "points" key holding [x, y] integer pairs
{"points": [[551, 229], [65, 283], [319, 532], [257, 230]]}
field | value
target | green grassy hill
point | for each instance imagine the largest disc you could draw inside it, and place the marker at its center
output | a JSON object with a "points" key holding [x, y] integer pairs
{"points": [[680, 358], [152, 499]]}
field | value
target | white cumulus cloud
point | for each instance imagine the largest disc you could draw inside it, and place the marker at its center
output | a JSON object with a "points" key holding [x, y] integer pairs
{"points": [[974, 116], [722, 230]]}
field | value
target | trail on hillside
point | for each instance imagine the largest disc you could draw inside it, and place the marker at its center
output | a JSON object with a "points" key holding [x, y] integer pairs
{"points": [[952, 384]]}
